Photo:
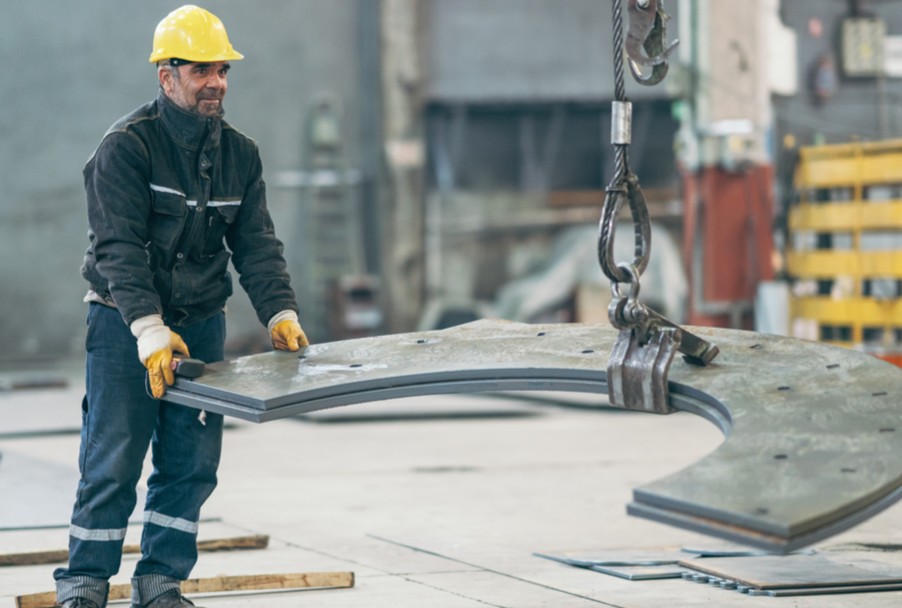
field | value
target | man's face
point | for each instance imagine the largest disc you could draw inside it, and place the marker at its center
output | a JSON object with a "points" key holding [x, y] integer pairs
{"points": [[197, 87]]}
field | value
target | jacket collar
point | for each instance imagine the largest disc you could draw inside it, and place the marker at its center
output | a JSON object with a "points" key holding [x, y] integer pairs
{"points": [[189, 129]]}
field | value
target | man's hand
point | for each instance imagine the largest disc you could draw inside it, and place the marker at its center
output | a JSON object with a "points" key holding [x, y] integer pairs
{"points": [[159, 364], [156, 345], [288, 335], [286, 332]]}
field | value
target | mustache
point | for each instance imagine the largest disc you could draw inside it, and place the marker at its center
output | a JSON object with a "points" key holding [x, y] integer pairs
{"points": [[217, 95]]}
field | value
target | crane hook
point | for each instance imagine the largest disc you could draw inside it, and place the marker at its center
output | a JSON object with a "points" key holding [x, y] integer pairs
{"points": [[645, 40]]}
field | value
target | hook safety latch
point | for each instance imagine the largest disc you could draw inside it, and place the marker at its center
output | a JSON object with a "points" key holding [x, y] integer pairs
{"points": [[645, 40]]}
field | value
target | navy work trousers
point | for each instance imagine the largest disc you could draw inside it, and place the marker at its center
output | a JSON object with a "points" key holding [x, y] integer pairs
{"points": [[119, 421]]}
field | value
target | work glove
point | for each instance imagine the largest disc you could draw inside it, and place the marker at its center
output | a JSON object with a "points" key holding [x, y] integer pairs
{"points": [[286, 332], [156, 345]]}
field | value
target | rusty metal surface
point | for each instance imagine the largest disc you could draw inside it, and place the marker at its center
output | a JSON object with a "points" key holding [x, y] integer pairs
{"points": [[812, 445]]}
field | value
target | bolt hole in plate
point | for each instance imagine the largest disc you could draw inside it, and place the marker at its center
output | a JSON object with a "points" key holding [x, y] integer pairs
{"points": [[826, 420]]}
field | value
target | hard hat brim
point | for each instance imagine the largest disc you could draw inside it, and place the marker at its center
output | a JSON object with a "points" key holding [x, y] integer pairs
{"points": [[161, 55]]}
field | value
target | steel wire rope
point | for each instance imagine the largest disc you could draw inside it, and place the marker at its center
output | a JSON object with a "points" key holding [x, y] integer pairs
{"points": [[624, 183]]}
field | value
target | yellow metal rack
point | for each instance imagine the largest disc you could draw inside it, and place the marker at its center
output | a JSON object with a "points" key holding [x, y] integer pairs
{"points": [[845, 246]]}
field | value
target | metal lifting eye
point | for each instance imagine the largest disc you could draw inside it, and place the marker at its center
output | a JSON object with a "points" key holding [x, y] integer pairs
{"points": [[645, 40]]}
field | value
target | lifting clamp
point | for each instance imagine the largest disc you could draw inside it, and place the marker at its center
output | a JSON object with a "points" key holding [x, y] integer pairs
{"points": [[647, 342]]}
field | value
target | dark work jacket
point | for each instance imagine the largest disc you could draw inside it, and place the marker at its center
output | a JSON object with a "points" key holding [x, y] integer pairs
{"points": [[167, 189]]}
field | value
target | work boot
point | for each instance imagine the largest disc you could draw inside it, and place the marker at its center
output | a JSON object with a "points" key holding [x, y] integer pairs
{"points": [[170, 599], [79, 602]]}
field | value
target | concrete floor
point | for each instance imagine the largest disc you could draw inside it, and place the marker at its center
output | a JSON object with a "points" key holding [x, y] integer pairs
{"points": [[434, 501]]}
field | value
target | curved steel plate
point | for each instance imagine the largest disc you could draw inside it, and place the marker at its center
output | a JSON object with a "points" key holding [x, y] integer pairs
{"points": [[812, 440]]}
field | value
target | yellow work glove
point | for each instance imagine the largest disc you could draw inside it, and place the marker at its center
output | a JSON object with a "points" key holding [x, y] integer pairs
{"points": [[286, 332], [156, 345]]}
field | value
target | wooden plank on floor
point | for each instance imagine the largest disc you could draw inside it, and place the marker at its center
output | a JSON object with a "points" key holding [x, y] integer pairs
{"points": [[219, 584], [256, 541], [32, 558]]}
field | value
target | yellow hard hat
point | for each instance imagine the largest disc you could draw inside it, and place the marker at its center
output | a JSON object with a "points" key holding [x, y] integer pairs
{"points": [[193, 34]]}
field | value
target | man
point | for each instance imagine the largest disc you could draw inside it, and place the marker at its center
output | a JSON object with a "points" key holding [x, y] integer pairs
{"points": [[169, 186]]}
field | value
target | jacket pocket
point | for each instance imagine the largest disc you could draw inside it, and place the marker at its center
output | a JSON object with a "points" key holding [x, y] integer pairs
{"points": [[219, 219], [167, 219], [204, 283]]}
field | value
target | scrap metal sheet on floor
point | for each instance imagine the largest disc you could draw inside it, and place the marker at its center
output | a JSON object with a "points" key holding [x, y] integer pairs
{"points": [[793, 571], [793, 575], [812, 442], [641, 573], [587, 559]]}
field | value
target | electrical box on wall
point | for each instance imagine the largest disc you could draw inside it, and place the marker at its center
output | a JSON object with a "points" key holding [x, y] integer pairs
{"points": [[863, 46]]}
